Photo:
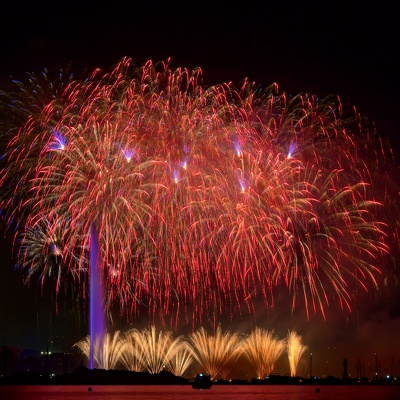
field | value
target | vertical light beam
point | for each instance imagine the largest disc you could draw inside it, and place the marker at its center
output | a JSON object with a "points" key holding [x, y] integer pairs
{"points": [[97, 321]]}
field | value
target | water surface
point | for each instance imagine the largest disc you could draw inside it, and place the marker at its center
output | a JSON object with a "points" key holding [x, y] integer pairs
{"points": [[217, 392]]}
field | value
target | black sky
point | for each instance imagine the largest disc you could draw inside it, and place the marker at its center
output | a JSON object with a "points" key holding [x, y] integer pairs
{"points": [[325, 48], [343, 49]]}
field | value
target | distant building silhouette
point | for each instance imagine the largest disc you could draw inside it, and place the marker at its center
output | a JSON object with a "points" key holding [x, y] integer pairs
{"points": [[345, 372]]}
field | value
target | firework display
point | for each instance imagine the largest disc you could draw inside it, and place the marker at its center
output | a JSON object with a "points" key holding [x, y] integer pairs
{"points": [[108, 350], [155, 348], [263, 349], [217, 354], [295, 350], [205, 199]]}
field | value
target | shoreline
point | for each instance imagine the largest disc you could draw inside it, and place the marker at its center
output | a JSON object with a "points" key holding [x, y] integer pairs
{"points": [[85, 376]]}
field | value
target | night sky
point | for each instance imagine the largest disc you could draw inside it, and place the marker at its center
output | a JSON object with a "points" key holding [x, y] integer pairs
{"points": [[323, 48]]}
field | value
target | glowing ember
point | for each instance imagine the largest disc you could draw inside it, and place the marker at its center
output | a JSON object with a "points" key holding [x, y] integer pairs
{"points": [[205, 199]]}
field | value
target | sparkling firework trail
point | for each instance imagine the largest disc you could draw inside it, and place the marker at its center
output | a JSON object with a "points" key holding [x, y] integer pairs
{"points": [[181, 360], [133, 359], [216, 354], [156, 349], [107, 351], [263, 349], [295, 350], [206, 199]]}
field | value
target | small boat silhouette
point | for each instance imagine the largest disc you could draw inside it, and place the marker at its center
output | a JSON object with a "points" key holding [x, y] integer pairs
{"points": [[202, 381]]}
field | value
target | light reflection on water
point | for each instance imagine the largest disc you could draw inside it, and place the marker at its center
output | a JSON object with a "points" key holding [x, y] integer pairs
{"points": [[176, 392]]}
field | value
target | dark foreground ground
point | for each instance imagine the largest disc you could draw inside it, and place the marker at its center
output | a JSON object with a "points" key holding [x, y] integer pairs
{"points": [[85, 376]]}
